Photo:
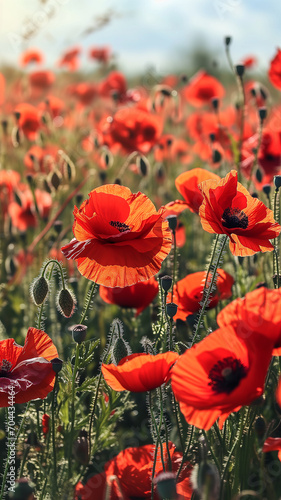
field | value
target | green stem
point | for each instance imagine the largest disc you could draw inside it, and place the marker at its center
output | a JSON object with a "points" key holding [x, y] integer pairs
{"points": [[174, 264], [209, 289], [60, 269], [72, 410], [89, 297], [54, 397], [275, 242]]}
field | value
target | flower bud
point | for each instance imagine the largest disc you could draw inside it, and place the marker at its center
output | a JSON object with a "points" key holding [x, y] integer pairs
{"points": [[240, 68], [215, 103], [262, 113], [166, 283], [227, 40], [55, 179], [208, 481], [57, 364], [120, 350], [259, 175], [260, 427], [166, 485], [66, 303], [79, 333], [216, 156], [266, 189], [81, 448], [171, 309], [39, 290], [142, 164]]}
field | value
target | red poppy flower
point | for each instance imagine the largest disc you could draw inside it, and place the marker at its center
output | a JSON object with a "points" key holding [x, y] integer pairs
{"points": [[220, 374], [278, 392], [258, 311], [172, 149], [41, 80], [137, 296], [272, 444], [38, 159], [187, 184], [45, 423], [27, 369], [269, 156], [9, 180], [228, 208], [120, 239], [70, 59], [139, 372], [274, 73], [133, 469], [100, 54], [84, 92], [23, 215], [28, 120], [31, 56], [249, 61], [53, 105], [188, 292], [132, 129], [114, 84], [202, 88]]}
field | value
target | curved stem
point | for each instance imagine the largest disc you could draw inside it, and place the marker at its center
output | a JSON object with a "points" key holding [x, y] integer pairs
{"points": [[54, 261]]}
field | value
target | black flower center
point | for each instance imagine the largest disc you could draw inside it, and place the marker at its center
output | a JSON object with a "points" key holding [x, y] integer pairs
{"points": [[226, 375], [233, 217], [121, 226], [5, 368]]}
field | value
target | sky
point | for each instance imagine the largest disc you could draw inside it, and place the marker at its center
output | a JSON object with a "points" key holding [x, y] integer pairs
{"points": [[141, 33]]}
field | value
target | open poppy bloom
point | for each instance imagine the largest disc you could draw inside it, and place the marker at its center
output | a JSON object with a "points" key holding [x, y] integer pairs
{"points": [[133, 469], [120, 238], [28, 120], [114, 84], [31, 56], [137, 296], [228, 208], [202, 88], [24, 215], [100, 54], [70, 59], [188, 292], [274, 72], [41, 79], [187, 184], [139, 372], [132, 129], [28, 370], [258, 311], [220, 374]]}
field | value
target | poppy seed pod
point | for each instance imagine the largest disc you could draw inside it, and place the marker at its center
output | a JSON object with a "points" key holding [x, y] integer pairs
{"points": [[240, 68], [79, 333], [171, 309], [40, 290], [277, 181], [172, 221], [166, 485], [57, 364], [166, 283]]}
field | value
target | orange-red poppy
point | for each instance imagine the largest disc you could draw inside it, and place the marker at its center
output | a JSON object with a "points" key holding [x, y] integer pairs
{"points": [[220, 374], [53, 105], [70, 59], [132, 129], [228, 208], [249, 61], [133, 468], [100, 54], [23, 215], [28, 370], [272, 444], [9, 180], [31, 56], [187, 184], [139, 372], [188, 292], [114, 85], [28, 120], [137, 296], [41, 80], [259, 311], [274, 72], [120, 238], [41, 159], [202, 88], [278, 392]]}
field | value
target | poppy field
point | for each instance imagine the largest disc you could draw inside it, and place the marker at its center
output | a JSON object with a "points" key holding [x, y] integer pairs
{"points": [[140, 296]]}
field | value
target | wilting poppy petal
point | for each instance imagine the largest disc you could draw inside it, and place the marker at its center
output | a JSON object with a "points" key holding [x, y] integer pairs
{"points": [[228, 208], [139, 372]]}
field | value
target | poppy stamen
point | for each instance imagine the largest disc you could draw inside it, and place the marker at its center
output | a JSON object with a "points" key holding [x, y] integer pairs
{"points": [[226, 374], [233, 218], [121, 226], [5, 368]]}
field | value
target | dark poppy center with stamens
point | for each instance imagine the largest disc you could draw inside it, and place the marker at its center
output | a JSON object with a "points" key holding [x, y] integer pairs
{"points": [[121, 226], [226, 374], [5, 368], [233, 218]]}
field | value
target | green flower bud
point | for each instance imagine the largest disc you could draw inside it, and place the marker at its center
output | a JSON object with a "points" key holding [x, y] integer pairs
{"points": [[66, 303], [39, 290]]}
